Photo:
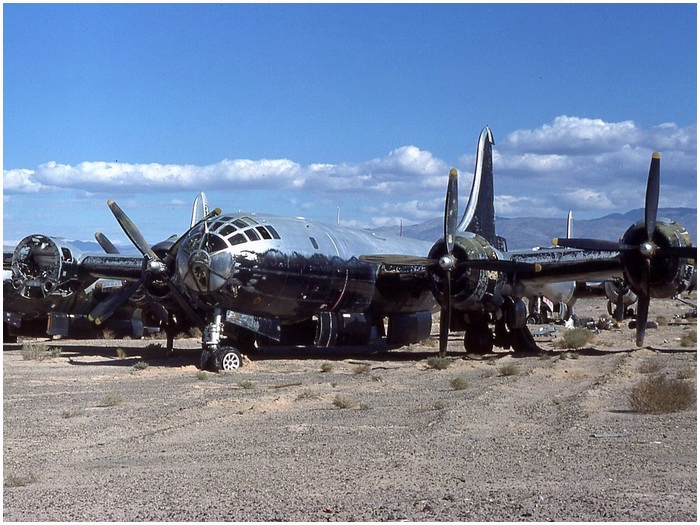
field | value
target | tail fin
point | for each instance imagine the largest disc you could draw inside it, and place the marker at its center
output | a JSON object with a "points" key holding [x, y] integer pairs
{"points": [[569, 225], [479, 217], [200, 209]]}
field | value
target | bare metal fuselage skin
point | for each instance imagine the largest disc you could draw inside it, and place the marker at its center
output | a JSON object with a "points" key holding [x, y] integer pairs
{"points": [[292, 268]]}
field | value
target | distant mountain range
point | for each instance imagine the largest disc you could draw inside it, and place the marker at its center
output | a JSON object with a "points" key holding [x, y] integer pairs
{"points": [[526, 232], [520, 233]]}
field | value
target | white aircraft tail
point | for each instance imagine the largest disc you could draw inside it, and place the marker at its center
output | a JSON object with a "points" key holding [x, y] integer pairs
{"points": [[200, 209]]}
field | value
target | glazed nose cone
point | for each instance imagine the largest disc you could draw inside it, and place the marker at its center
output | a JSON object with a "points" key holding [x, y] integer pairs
{"points": [[204, 272]]}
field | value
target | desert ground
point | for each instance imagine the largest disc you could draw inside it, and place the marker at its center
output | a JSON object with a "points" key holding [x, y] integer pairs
{"points": [[109, 430]]}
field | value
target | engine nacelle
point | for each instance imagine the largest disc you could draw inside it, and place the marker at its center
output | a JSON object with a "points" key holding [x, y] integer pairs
{"points": [[669, 273], [615, 289], [472, 289], [44, 266]]}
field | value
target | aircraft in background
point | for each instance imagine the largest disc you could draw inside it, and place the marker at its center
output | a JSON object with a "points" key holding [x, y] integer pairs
{"points": [[244, 278]]}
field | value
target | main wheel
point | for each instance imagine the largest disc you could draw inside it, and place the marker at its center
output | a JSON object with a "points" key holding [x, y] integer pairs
{"points": [[228, 358]]}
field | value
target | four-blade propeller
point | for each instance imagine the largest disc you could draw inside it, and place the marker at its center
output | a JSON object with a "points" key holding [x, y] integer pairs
{"points": [[154, 268], [644, 250]]}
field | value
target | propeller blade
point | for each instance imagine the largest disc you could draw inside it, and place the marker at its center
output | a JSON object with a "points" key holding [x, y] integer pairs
{"points": [[445, 313], [686, 252], [642, 315], [105, 243], [451, 210], [643, 301], [651, 204], [131, 231], [108, 306], [185, 305], [620, 306]]}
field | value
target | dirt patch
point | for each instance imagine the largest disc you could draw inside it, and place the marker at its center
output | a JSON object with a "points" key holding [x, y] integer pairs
{"points": [[89, 437]]}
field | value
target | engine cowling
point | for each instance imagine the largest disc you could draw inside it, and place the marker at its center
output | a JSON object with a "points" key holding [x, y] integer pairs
{"points": [[43, 266], [669, 274], [472, 289]]}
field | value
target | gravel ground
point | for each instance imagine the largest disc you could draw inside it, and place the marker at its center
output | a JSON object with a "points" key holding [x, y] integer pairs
{"points": [[379, 435]]}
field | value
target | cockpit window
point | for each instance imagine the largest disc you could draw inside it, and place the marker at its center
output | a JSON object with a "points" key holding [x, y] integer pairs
{"points": [[263, 232], [227, 230], [252, 234], [214, 243], [273, 232], [239, 238]]}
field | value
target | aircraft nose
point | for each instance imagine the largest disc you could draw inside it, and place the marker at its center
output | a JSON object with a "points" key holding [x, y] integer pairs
{"points": [[204, 272]]}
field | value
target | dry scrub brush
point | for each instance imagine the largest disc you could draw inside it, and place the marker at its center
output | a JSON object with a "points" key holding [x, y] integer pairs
{"points": [[660, 395]]}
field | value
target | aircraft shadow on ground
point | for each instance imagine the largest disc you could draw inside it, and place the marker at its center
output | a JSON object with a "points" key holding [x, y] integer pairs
{"points": [[156, 355]]}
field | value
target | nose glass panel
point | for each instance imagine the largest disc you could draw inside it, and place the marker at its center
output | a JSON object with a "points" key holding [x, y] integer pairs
{"points": [[203, 263]]}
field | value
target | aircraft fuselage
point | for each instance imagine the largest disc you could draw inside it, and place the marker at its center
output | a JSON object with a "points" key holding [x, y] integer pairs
{"points": [[291, 268]]}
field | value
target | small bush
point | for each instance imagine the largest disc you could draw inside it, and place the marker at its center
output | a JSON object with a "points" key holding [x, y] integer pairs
{"points": [[72, 412], [307, 395], [661, 320], [201, 375], [111, 400], [121, 353], [459, 383], [246, 383], [649, 366], [687, 373], [575, 338], [508, 370], [38, 352], [438, 363], [327, 367], [15, 480], [140, 365], [361, 369], [343, 401], [689, 338], [660, 395]]}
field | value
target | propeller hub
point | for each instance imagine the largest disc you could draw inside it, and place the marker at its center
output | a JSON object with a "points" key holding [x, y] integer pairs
{"points": [[447, 262], [647, 249], [155, 267]]}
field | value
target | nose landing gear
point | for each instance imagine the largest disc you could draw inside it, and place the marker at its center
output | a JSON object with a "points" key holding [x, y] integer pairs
{"points": [[213, 356]]}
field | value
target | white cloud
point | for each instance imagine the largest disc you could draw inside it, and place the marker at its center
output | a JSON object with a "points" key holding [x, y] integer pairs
{"points": [[20, 181], [583, 164], [573, 135]]}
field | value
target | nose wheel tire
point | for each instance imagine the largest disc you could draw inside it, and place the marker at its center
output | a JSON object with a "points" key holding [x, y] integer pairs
{"points": [[228, 358]]}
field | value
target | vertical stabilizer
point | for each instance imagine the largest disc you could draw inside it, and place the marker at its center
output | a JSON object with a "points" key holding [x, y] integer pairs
{"points": [[569, 225], [479, 217], [200, 209]]}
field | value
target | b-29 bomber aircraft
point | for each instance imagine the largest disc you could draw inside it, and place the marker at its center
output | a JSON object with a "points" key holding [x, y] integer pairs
{"points": [[244, 278]]}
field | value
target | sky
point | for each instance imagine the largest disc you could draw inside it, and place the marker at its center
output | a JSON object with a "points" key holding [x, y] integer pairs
{"points": [[355, 111]]}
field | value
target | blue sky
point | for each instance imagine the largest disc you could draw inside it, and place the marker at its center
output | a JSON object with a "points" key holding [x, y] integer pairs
{"points": [[303, 109]]}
